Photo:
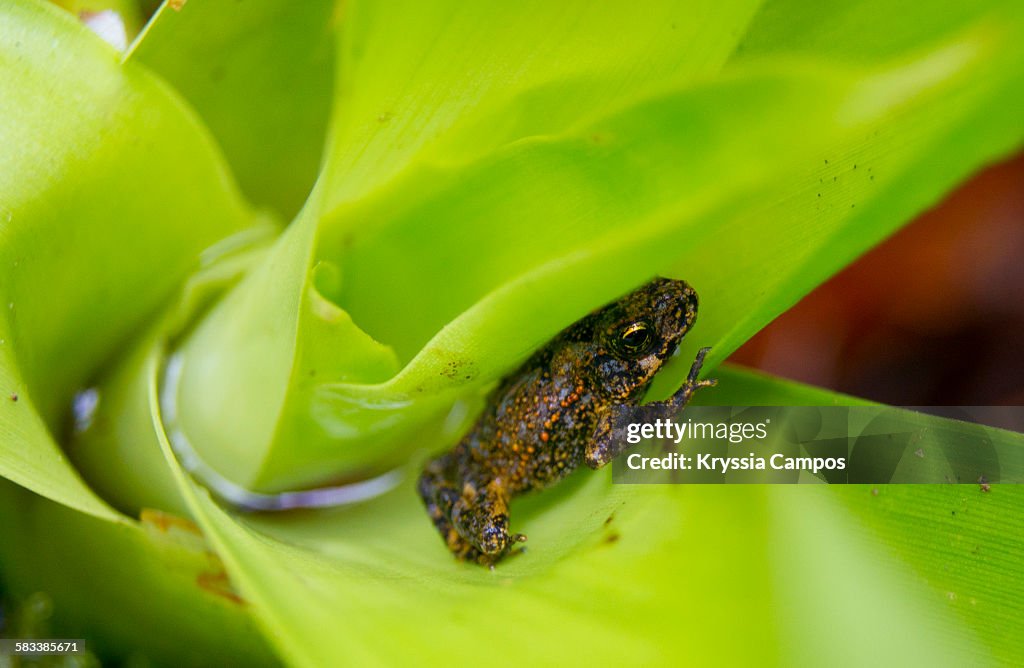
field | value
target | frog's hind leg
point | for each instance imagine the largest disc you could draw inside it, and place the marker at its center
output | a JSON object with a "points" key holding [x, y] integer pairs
{"points": [[438, 496], [481, 517]]}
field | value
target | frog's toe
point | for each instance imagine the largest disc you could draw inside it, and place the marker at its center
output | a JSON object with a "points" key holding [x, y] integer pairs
{"points": [[494, 540]]}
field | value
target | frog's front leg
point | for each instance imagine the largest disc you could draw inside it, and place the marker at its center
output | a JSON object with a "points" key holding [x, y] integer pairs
{"points": [[481, 517], [610, 434]]}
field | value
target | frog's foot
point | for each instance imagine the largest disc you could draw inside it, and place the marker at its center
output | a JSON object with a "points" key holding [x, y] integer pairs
{"points": [[474, 526], [466, 551], [491, 560], [677, 401], [481, 517]]}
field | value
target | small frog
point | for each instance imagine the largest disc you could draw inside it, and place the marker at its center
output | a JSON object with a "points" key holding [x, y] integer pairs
{"points": [[565, 405]]}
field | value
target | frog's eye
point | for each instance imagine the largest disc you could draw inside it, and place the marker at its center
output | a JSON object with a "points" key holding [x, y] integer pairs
{"points": [[635, 340]]}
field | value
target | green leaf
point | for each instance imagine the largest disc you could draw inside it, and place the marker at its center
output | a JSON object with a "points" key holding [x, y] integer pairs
{"points": [[279, 337], [965, 544], [464, 80], [259, 75], [109, 191], [755, 187], [128, 588], [486, 190], [618, 573]]}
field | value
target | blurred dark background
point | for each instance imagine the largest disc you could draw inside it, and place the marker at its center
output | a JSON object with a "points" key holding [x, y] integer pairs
{"points": [[933, 316]]}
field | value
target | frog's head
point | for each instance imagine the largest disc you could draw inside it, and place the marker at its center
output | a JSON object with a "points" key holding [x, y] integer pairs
{"points": [[637, 334]]}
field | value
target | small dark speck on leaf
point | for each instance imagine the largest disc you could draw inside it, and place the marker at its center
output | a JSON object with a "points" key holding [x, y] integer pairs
{"points": [[14, 397], [983, 484], [953, 513], [612, 537], [609, 520], [826, 162], [453, 369]]}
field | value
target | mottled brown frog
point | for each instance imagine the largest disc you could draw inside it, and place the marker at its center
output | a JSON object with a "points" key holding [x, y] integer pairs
{"points": [[566, 404]]}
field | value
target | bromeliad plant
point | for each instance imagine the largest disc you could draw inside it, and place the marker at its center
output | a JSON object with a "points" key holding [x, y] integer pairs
{"points": [[463, 180]]}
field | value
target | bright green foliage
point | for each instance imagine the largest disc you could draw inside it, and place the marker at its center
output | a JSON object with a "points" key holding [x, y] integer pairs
{"points": [[484, 175], [834, 154], [109, 189], [260, 76]]}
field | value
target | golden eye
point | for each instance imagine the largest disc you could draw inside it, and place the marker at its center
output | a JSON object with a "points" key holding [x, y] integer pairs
{"points": [[635, 339]]}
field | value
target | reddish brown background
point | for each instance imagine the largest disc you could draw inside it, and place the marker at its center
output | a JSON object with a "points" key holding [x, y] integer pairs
{"points": [[933, 316]]}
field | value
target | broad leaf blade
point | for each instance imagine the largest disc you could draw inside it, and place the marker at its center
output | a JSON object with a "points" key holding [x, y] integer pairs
{"points": [[965, 543], [464, 79], [109, 190], [465, 268], [259, 74], [385, 95], [124, 586], [613, 574]]}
